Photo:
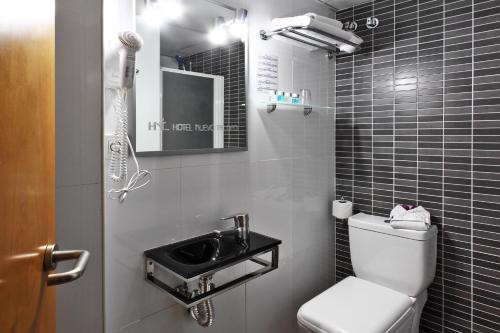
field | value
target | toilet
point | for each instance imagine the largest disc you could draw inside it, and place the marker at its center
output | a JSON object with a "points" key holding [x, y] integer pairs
{"points": [[393, 269]]}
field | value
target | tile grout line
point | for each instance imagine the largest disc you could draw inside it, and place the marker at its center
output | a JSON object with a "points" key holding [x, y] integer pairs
{"points": [[472, 173], [418, 99], [336, 235], [393, 102], [372, 58], [443, 86], [335, 166], [352, 118]]}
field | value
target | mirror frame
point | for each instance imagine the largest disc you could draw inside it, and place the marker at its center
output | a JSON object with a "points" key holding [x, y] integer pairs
{"points": [[132, 113]]}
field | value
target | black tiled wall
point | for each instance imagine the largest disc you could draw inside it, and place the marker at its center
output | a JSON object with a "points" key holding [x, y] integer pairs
{"points": [[228, 61], [418, 121]]}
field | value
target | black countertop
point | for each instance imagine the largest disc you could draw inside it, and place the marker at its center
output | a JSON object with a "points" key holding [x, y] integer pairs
{"points": [[256, 243]]}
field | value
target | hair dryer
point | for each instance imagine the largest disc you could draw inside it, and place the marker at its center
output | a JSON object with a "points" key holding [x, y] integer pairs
{"points": [[120, 65]]}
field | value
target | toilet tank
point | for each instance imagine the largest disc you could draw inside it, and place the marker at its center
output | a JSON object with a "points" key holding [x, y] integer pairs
{"points": [[403, 260]]}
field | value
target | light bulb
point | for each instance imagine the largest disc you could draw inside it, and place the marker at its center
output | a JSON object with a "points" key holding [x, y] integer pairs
{"points": [[161, 11], [237, 29], [171, 9], [217, 36], [152, 16]]}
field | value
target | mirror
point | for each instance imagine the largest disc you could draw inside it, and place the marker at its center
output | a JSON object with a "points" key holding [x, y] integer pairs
{"points": [[190, 90]]}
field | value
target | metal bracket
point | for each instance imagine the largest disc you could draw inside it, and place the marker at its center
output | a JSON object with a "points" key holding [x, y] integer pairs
{"points": [[263, 35], [372, 22], [272, 107], [189, 301], [150, 267]]}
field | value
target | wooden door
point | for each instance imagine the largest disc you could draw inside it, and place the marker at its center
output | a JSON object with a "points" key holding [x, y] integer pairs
{"points": [[27, 163]]}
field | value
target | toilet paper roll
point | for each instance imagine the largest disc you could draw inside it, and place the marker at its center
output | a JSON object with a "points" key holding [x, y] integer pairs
{"points": [[342, 209]]}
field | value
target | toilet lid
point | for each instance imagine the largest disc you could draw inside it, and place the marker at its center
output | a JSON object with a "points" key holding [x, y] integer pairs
{"points": [[354, 306]]}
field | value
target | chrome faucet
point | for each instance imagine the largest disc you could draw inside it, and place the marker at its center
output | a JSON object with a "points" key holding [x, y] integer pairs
{"points": [[241, 226]]}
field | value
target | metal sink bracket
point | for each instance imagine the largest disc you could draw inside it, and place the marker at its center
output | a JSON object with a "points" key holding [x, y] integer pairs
{"points": [[180, 292]]}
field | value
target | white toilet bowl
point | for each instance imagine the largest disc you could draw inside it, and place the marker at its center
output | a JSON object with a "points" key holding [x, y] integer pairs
{"points": [[393, 270], [357, 306]]}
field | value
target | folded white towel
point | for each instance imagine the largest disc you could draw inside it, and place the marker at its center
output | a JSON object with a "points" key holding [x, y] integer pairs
{"points": [[304, 21], [409, 225], [326, 20], [294, 21], [413, 219]]}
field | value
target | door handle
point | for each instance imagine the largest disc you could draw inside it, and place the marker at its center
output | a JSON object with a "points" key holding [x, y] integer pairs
{"points": [[53, 256]]}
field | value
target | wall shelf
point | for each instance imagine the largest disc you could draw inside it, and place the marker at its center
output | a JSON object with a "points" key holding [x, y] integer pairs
{"points": [[307, 109], [271, 107]]}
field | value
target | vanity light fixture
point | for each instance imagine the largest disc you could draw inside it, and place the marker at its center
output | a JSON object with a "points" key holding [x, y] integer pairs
{"points": [[152, 16], [159, 11], [238, 26], [218, 34], [171, 9]]}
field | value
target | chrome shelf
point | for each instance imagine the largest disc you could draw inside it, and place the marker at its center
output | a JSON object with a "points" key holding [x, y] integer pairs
{"points": [[271, 107], [296, 33], [308, 109]]}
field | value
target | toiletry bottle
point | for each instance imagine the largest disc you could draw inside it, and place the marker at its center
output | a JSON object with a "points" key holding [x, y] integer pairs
{"points": [[273, 97], [280, 96]]}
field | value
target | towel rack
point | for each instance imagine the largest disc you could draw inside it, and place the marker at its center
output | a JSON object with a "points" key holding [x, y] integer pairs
{"points": [[288, 32]]}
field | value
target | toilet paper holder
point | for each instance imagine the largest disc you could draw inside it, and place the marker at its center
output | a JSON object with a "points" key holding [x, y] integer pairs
{"points": [[342, 209]]}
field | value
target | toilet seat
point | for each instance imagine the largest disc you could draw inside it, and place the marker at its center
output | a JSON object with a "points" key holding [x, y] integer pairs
{"points": [[357, 306]]}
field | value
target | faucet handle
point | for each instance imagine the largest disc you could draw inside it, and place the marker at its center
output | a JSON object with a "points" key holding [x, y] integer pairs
{"points": [[218, 233], [241, 224], [240, 220]]}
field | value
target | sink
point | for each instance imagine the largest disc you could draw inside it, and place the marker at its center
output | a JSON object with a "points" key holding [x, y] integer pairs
{"points": [[191, 257], [207, 248], [176, 267]]}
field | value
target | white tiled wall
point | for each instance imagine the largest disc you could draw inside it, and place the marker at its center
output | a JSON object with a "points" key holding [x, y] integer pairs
{"points": [[284, 182]]}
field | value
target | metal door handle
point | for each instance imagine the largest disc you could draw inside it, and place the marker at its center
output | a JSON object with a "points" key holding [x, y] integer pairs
{"points": [[53, 256]]}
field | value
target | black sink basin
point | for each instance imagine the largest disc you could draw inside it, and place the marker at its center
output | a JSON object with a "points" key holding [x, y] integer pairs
{"points": [[195, 256], [207, 248]]}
